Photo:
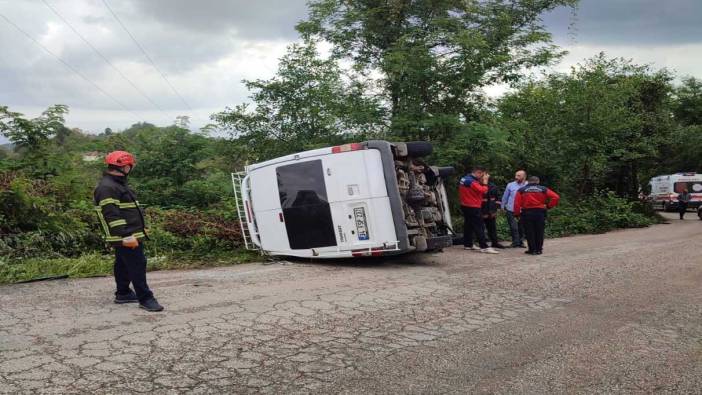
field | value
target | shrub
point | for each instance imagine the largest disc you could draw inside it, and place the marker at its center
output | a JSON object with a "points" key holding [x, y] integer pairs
{"points": [[597, 214], [190, 224]]}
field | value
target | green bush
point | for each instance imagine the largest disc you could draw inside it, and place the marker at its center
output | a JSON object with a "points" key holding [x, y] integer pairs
{"points": [[597, 214], [49, 227]]}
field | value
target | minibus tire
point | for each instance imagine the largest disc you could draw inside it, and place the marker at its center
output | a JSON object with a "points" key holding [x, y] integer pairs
{"points": [[419, 148], [446, 171]]}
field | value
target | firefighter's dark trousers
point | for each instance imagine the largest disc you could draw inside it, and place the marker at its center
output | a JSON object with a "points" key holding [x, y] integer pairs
{"points": [[534, 221], [130, 267], [473, 225]]}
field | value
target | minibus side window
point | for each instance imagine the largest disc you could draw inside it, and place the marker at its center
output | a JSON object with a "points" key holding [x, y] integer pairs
{"points": [[306, 211]]}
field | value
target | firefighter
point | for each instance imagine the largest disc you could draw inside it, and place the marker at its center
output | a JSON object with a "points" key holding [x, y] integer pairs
{"points": [[531, 203], [471, 190], [122, 222]]}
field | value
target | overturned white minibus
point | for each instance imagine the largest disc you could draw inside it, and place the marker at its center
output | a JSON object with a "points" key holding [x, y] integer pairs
{"points": [[362, 199]]}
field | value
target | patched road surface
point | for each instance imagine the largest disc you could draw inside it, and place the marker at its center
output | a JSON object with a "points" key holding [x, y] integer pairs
{"points": [[620, 312]]}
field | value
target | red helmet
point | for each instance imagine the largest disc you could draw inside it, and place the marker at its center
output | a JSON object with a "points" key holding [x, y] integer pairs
{"points": [[120, 158]]}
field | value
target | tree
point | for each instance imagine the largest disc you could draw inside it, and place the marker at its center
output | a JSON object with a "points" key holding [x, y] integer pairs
{"points": [[434, 56], [600, 127], [308, 103], [182, 121], [682, 151], [32, 134], [688, 102]]}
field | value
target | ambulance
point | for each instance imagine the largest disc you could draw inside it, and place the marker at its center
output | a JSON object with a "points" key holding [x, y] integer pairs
{"points": [[363, 199], [665, 190]]}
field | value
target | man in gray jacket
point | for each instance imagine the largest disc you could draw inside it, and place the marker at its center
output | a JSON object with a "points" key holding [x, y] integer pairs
{"points": [[515, 227]]}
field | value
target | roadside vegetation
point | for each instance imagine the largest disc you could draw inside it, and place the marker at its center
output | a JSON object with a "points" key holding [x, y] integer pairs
{"points": [[411, 71]]}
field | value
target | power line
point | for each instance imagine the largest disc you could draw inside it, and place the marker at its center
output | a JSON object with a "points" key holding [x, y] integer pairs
{"points": [[146, 55], [142, 93], [68, 66]]}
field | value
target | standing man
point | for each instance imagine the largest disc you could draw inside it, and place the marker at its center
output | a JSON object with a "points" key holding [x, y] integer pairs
{"points": [[491, 202], [683, 200], [531, 204], [471, 190], [515, 226], [122, 221]]}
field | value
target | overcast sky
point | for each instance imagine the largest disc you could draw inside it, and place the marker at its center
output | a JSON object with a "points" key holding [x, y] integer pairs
{"points": [[206, 47]]}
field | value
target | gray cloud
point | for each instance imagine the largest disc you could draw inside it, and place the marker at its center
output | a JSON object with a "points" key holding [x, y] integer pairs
{"points": [[628, 22], [261, 19], [207, 47]]}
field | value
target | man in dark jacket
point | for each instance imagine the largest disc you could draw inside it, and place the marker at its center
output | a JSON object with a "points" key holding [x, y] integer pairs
{"points": [[531, 204], [122, 222], [491, 202], [683, 201]]}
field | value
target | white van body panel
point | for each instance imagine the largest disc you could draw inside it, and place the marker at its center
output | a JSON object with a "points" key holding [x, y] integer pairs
{"points": [[354, 175], [354, 180], [288, 158]]}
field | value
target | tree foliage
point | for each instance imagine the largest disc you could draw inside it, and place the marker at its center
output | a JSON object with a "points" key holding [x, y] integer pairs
{"points": [[688, 104], [682, 152], [434, 56], [31, 134], [308, 103], [600, 127]]}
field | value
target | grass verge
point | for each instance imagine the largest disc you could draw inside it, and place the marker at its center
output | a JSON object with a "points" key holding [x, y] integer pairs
{"points": [[96, 264]]}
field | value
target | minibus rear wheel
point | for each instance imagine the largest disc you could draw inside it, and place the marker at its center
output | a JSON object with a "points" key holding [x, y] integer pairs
{"points": [[418, 149]]}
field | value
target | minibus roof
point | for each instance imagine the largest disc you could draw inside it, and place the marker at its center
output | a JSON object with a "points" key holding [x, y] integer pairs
{"points": [[287, 158], [309, 154]]}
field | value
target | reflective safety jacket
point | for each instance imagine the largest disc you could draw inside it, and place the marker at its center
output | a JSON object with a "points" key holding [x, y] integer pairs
{"points": [[471, 192], [118, 210], [534, 196]]}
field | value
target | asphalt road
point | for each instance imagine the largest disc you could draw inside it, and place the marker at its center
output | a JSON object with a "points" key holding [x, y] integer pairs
{"points": [[620, 312]]}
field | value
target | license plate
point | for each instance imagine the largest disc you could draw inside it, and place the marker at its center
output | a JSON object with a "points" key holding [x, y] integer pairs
{"points": [[359, 214]]}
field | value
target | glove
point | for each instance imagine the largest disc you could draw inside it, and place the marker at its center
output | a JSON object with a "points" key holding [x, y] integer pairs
{"points": [[130, 242]]}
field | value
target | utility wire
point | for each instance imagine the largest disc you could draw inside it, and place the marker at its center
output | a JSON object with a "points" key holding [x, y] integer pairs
{"points": [[142, 93], [146, 55], [68, 66]]}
